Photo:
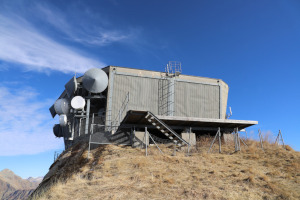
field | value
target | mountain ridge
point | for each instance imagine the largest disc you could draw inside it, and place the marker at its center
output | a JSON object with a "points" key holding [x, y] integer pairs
{"points": [[13, 186]]}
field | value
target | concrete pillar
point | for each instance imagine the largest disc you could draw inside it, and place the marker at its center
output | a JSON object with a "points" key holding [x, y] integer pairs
{"points": [[189, 137], [140, 139], [228, 138]]}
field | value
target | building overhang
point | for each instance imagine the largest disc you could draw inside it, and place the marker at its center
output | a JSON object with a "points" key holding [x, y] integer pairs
{"points": [[137, 118]]}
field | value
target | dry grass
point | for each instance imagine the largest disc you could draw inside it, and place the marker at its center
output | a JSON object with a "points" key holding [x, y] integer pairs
{"points": [[115, 172]]}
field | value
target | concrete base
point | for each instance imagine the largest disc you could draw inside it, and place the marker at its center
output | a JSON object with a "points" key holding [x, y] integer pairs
{"points": [[189, 137], [228, 138], [139, 139]]}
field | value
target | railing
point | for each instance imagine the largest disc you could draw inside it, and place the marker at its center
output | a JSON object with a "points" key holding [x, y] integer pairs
{"points": [[123, 109], [56, 154], [173, 68]]}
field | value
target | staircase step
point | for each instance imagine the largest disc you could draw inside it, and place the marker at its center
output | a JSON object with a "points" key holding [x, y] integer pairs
{"points": [[164, 129]]}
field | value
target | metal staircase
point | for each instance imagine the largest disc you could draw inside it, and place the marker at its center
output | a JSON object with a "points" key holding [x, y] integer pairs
{"points": [[165, 129]]}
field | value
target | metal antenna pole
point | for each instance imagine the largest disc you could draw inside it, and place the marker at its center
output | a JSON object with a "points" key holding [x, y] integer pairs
{"points": [[92, 125], [88, 103], [79, 128]]}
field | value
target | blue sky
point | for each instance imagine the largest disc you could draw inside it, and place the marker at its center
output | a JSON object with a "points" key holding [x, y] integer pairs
{"points": [[254, 46]]}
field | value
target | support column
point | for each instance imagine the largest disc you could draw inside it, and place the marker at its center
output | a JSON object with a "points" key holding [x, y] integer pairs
{"points": [[139, 139], [189, 137], [88, 103]]}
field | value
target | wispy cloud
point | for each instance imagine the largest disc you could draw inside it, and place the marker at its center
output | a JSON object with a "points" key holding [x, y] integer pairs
{"points": [[25, 125], [86, 31], [22, 43]]}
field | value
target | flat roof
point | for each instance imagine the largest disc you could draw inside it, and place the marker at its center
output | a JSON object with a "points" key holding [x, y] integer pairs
{"points": [[138, 117], [159, 72]]}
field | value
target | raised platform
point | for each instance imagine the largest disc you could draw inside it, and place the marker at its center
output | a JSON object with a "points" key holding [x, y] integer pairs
{"points": [[137, 118]]}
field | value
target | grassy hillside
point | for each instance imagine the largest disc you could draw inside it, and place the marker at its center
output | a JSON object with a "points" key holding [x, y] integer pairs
{"points": [[116, 172]]}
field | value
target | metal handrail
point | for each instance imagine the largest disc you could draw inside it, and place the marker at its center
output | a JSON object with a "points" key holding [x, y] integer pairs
{"points": [[123, 107], [167, 127]]}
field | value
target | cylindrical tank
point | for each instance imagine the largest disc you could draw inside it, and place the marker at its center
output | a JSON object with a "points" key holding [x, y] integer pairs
{"points": [[63, 120], [78, 103], [95, 80], [62, 106]]}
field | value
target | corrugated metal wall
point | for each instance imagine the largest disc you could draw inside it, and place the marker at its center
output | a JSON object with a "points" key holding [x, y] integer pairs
{"points": [[143, 93], [191, 99], [197, 100]]}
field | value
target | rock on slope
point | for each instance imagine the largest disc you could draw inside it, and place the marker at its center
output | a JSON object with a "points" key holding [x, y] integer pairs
{"points": [[14, 187], [115, 172]]}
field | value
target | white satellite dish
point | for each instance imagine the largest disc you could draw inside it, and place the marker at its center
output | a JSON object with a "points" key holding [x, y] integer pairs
{"points": [[78, 103], [62, 106], [95, 80], [63, 120]]}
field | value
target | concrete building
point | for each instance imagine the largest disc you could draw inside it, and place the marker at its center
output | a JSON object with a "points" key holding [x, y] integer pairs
{"points": [[171, 105]]}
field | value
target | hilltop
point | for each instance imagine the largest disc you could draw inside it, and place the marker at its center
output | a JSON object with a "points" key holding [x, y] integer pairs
{"points": [[120, 172], [14, 187]]}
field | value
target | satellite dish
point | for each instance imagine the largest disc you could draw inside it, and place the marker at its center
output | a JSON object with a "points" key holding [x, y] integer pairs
{"points": [[62, 106], [95, 80], [63, 120], [71, 86], [78, 102], [57, 131]]}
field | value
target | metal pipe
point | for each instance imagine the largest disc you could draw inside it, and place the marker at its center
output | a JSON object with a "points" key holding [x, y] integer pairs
{"points": [[89, 146], [92, 125], [156, 144], [190, 131], [79, 129], [87, 116], [281, 138], [80, 116]]}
